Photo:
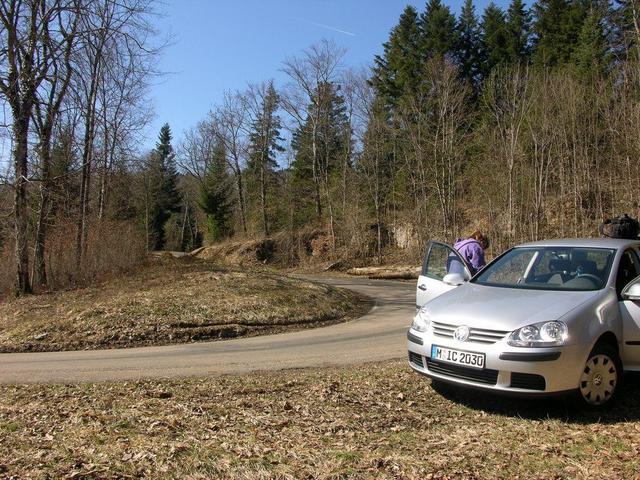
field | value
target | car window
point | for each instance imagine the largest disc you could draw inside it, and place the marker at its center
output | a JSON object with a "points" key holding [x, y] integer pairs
{"points": [[511, 268], [550, 268], [441, 260], [628, 269], [571, 262], [550, 262]]}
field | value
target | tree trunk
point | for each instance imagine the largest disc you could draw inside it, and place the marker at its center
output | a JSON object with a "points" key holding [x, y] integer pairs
{"points": [[87, 158], [20, 135], [316, 177], [332, 231], [81, 234], [263, 198], [146, 215], [39, 265], [240, 186], [378, 233], [184, 224], [102, 193], [87, 150]]}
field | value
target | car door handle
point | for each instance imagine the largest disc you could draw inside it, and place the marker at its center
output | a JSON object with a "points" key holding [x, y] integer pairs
{"points": [[422, 287]]}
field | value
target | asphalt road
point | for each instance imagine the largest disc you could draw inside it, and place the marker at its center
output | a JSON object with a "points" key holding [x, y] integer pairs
{"points": [[379, 335]]}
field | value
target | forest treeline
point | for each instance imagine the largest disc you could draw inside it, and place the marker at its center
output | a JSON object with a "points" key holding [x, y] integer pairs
{"points": [[73, 83], [523, 122]]}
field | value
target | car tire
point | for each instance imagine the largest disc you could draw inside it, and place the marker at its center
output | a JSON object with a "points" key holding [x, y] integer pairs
{"points": [[601, 377]]}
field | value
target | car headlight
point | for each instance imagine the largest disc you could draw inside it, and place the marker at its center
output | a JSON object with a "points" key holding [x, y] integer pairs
{"points": [[545, 334], [421, 321]]}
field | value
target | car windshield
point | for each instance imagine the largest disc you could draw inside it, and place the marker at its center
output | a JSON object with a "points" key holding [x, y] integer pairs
{"points": [[550, 268]]}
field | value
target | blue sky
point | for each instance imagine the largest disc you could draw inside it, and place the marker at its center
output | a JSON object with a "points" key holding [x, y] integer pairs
{"points": [[223, 45]]}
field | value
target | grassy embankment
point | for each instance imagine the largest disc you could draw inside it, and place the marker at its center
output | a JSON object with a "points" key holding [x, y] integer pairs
{"points": [[173, 301], [372, 421]]}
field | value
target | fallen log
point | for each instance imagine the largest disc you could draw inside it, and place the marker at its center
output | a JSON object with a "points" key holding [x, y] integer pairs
{"points": [[403, 272]]}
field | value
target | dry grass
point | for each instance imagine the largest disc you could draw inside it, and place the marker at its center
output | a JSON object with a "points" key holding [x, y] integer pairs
{"points": [[173, 301], [372, 421]]}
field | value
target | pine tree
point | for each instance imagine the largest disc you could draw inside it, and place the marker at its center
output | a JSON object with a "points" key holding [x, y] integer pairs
{"points": [[557, 26], [439, 34], [215, 196], [468, 48], [265, 143], [590, 54], [550, 39], [495, 48], [518, 32], [397, 71], [163, 196]]}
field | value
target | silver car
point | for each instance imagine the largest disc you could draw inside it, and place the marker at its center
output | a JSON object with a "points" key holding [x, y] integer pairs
{"points": [[543, 318]]}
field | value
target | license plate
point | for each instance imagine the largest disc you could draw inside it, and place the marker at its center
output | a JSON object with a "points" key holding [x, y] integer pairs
{"points": [[459, 357]]}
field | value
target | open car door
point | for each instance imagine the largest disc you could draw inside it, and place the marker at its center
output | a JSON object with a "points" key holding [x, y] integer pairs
{"points": [[442, 270]]}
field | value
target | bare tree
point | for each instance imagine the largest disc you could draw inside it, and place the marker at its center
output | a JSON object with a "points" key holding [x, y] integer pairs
{"points": [[197, 149], [373, 167], [36, 35], [123, 114], [437, 120], [368, 119], [359, 97], [47, 109], [506, 96], [113, 31], [306, 101], [229, 122]]}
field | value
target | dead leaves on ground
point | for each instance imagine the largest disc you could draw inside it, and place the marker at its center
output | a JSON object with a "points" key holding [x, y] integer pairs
{"points": [[374, 421]]}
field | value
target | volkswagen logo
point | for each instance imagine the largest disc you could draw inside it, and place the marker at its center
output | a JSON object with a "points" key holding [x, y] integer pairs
{"points": [[461, 334]]}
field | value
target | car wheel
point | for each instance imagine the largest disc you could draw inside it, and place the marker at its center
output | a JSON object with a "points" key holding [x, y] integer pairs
{"points": [[600, 377]]}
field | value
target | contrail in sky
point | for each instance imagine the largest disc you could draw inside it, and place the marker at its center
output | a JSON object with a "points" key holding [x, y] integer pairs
{"points": [[327, 27]]}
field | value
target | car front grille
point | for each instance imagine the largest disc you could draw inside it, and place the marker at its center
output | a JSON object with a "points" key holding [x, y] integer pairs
{"points": [[416, 359], [486, 376], [528, 381], [476, 335]]}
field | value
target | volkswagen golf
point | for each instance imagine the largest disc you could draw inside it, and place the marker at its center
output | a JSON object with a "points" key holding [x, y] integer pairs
{"points": [[548, 317]]}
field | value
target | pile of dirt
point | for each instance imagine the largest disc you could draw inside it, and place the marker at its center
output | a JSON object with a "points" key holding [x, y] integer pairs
{"points": [[283, 250], [238, 253]]}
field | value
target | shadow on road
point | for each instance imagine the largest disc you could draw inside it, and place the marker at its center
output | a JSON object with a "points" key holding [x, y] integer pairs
{"points": [[626, 406]]}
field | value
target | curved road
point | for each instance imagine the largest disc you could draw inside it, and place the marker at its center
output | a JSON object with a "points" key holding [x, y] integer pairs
{"points": [[379, 335]]}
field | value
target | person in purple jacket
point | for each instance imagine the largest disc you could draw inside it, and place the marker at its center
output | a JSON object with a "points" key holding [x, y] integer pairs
{"points": [[471, 249]]}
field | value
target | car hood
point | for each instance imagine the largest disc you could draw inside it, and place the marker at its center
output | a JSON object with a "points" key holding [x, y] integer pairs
{"points": [[499, 308]]}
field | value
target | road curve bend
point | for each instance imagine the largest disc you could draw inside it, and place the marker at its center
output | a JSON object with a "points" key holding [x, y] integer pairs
{"points": [[378, 335]]}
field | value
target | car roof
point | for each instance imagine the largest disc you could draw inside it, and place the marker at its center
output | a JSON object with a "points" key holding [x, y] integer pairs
{"points": [[617, 243]]}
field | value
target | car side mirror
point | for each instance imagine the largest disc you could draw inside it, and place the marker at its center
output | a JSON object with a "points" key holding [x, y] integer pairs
{"points": [[454, 279], [632, 291]]}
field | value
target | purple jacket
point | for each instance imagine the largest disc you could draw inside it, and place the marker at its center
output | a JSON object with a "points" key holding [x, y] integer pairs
{"points": [[472, 253]]}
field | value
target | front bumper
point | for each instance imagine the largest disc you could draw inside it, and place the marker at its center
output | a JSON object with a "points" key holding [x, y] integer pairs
{"points": [[526, 371]]}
